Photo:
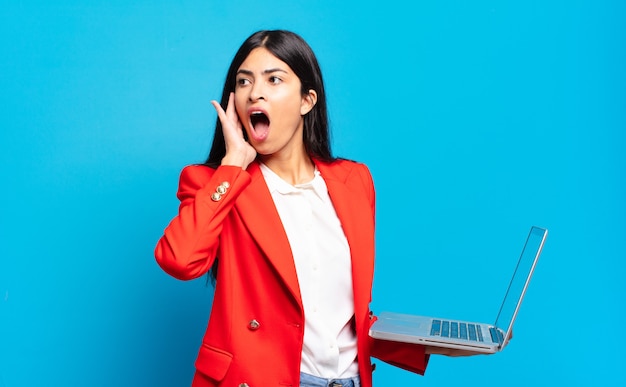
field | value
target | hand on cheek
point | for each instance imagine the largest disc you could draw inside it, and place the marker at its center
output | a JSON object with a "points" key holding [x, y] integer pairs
{"points": [[238, 151]]}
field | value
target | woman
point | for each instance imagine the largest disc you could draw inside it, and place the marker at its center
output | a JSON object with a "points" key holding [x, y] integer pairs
{"points": [[286, 230]]}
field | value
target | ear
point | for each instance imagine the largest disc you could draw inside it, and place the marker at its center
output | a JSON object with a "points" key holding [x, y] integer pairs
{"points": [[308, 101]]}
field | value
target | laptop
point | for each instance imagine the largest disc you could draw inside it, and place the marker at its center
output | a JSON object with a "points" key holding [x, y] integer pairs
{"points": [[466, 335]]}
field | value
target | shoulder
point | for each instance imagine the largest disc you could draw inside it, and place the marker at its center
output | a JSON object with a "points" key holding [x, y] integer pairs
{"points": [[352, 174], [344, 169], [355, 176]]}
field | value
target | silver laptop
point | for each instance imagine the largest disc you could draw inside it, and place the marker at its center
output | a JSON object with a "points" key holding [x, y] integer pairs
{"points": [[472, 336]]}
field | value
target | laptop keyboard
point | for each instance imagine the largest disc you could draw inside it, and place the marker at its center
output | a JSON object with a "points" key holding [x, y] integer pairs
{"points": [[496, 335], [456, 330]]}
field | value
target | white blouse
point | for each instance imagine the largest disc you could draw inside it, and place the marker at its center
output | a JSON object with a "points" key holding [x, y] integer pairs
{"points": [[322, 258]]}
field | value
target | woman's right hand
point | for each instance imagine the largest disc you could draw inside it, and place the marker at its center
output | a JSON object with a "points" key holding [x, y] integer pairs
{"points": [[238, 151]]}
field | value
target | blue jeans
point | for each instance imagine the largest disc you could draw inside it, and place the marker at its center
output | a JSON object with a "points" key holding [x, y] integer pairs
{"points": [[307, 380]]}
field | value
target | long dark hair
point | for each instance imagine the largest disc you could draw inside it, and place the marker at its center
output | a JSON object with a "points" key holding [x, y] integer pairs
{"points": [[296, 53]]}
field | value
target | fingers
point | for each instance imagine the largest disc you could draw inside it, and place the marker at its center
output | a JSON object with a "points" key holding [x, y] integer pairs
{"points": [[231, 126], [226, 117], [238, 151], [218, 108], [231, 112]]}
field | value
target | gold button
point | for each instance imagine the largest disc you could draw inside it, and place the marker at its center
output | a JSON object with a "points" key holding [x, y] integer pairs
{"points": [[216, 196], [220, 189], [244, 385], [253, 325], [226, 184]]}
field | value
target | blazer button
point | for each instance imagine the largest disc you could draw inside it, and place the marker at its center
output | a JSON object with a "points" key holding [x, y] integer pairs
{"points": [[244, 385], [253, 325]]}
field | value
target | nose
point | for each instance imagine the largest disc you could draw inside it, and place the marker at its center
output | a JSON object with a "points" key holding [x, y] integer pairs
{"points": [[256, 93]]}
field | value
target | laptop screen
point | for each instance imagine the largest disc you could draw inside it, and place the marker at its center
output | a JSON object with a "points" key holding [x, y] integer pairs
{"points": [[521, 278]]}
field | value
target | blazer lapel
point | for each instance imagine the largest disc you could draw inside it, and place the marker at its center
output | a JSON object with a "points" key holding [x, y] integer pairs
{"points": [[352, 208], [258, 211]]}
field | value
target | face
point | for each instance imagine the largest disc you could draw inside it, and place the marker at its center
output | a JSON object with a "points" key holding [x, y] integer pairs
{"points": [[270, 104]]}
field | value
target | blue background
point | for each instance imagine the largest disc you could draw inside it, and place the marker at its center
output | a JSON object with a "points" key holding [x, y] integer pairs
{"points": [[478, 119]]}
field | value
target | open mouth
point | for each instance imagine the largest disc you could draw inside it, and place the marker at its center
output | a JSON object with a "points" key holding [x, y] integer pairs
{"points": [[260, 124]]}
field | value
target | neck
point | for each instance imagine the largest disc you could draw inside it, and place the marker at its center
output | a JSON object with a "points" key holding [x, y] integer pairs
{"points": [[294, 170]]}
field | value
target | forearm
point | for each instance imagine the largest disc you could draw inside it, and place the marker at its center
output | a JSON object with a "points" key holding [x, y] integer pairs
{"points": [[190, 242]]}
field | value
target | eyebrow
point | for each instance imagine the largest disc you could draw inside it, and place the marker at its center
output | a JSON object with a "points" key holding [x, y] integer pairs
{"points": [[268, 71]]}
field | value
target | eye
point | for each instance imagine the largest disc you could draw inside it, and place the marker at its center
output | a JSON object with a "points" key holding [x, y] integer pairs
{"points": [[243, 81], [275, 80]]}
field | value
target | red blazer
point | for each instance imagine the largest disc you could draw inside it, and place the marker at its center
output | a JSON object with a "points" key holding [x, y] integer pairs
{"points": [[255, 331]]}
